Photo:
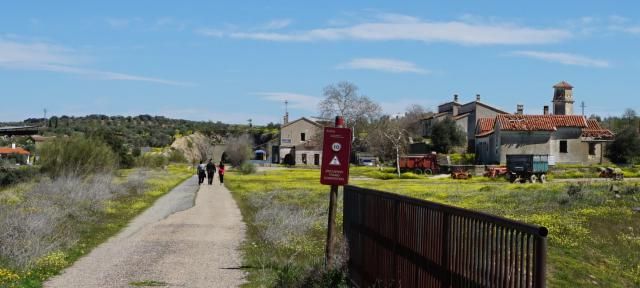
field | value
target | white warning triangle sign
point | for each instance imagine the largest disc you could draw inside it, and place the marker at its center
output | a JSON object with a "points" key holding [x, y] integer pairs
{"points": [[335, 161]]}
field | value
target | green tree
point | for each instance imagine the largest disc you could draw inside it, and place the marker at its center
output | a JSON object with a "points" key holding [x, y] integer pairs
{"points": [[445, 135], [76, 156], [625, 148]]}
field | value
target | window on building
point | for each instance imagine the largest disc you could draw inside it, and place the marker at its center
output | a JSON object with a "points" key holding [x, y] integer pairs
{"points": [[304, 157], [303, 137], [563, 146], [592, 148]]}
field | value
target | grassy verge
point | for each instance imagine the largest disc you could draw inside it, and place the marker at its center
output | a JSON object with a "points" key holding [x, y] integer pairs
{"points": [[594, 238], [286, 215], [113, 215]]}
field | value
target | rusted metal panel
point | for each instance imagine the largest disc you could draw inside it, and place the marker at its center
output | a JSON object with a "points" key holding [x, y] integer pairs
{"points": [[398, 241]]}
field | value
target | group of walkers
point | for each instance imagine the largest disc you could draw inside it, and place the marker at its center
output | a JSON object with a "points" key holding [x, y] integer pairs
{"points": [[209, 170]]}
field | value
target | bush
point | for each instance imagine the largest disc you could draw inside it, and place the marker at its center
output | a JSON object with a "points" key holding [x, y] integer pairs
{"points": [[575, 191], [76, 156], [177, 156], [10, 176], [51, 217], [239, 149], [152, 161], [247, 168]]}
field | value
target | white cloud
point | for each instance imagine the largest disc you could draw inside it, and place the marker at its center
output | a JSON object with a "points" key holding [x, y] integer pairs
{"points": [[402, 27], [53, 58], [277, 24], [381, 64], [119, 23], [211, 32], [295, 100], [564, 58]]}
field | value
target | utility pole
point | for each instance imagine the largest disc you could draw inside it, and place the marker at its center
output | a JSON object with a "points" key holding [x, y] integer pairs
{"points": [[250, 124], [582, 106], [45, 117]]}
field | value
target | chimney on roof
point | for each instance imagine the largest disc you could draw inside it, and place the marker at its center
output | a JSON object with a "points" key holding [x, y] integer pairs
{"points": [[545, 110], [520, 109], [477, 97], [455, 97]]}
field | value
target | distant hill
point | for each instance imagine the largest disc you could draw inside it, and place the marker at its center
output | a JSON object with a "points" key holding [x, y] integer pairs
{"points": [[146, 130]]}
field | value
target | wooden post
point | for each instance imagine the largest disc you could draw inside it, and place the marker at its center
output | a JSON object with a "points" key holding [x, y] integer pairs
{"points": [[331, 225]]}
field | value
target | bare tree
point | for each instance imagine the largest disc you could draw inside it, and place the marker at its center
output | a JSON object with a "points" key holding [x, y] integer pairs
{"points": [[342, 99], [388, 139], [411, 120], [239, 149]]}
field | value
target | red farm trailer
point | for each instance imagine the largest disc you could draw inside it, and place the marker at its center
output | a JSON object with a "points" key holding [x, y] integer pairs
{"points": [[420, 164]]}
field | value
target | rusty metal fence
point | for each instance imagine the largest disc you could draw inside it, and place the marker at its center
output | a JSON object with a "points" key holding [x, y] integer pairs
{"points": [[398, 241]]}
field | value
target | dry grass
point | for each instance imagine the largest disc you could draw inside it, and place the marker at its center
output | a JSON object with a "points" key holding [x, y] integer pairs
{"points": [[51, 214]]}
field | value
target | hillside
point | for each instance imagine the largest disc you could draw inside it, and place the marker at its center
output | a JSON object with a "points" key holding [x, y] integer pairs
{"points": [[144, 130]]}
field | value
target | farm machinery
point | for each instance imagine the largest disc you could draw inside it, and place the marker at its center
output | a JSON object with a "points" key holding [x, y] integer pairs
{"points": [[495, 171], [527, 168], [610, 172]]}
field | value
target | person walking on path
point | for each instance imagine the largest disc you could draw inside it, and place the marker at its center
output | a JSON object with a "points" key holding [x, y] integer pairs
{"points": [[211, 170], [221, 173], [201, 173]]}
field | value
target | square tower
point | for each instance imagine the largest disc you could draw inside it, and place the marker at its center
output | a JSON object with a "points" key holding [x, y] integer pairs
{"points": [[563, 99]]}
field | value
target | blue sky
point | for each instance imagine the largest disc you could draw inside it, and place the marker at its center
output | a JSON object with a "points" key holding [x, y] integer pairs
{"points": [[206, 60]]}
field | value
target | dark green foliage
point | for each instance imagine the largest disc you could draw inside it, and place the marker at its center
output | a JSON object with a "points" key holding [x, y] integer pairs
{"points": [[445, 135], [176, 156], [247, 168], [76, 156], [117, 144], [152, 161], [575, 191], [626, 146], [10, 176]]}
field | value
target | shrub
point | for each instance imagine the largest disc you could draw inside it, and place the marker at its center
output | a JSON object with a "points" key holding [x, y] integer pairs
{"points": [[10, 176], [177, 156], [152, 161], [247, 168], [575, 191], [631, 190], [76, 156], [51, 216], [239, 149]]}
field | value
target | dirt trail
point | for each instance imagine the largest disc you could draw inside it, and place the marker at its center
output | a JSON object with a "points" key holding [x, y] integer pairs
{"points": [[197, 247]]}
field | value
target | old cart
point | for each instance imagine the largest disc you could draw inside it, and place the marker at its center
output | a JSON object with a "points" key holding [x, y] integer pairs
{"points": [[530, 168]]}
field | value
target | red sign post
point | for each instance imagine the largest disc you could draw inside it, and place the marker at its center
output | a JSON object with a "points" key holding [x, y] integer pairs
{"points": [[336, 150]]}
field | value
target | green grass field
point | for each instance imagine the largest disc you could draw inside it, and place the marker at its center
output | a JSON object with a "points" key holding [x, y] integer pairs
{"points": [[594, 238]]}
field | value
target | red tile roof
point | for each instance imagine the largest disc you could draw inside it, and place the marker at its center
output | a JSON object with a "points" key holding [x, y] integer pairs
{"points": [[485, 126], [17, 150], [563, 84], [515, 122], [594, 130]]}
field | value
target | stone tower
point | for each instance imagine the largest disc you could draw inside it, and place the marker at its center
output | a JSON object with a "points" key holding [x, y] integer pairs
{"points": [[563, 99]]}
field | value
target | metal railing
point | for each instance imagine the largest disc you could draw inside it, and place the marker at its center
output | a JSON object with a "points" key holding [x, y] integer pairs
{"points": [[398, 241]]}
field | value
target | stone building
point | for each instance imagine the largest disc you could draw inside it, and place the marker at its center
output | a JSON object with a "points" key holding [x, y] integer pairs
{"points": [[564, 137], [300, 138], [465, 115]]}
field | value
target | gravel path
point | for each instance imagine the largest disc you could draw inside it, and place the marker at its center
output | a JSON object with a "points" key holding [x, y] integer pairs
{"points": [[174, 244]]}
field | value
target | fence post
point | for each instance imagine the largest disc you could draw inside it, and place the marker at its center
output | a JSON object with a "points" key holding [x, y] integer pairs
{"points": [[446, 274], [541, 255]]}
